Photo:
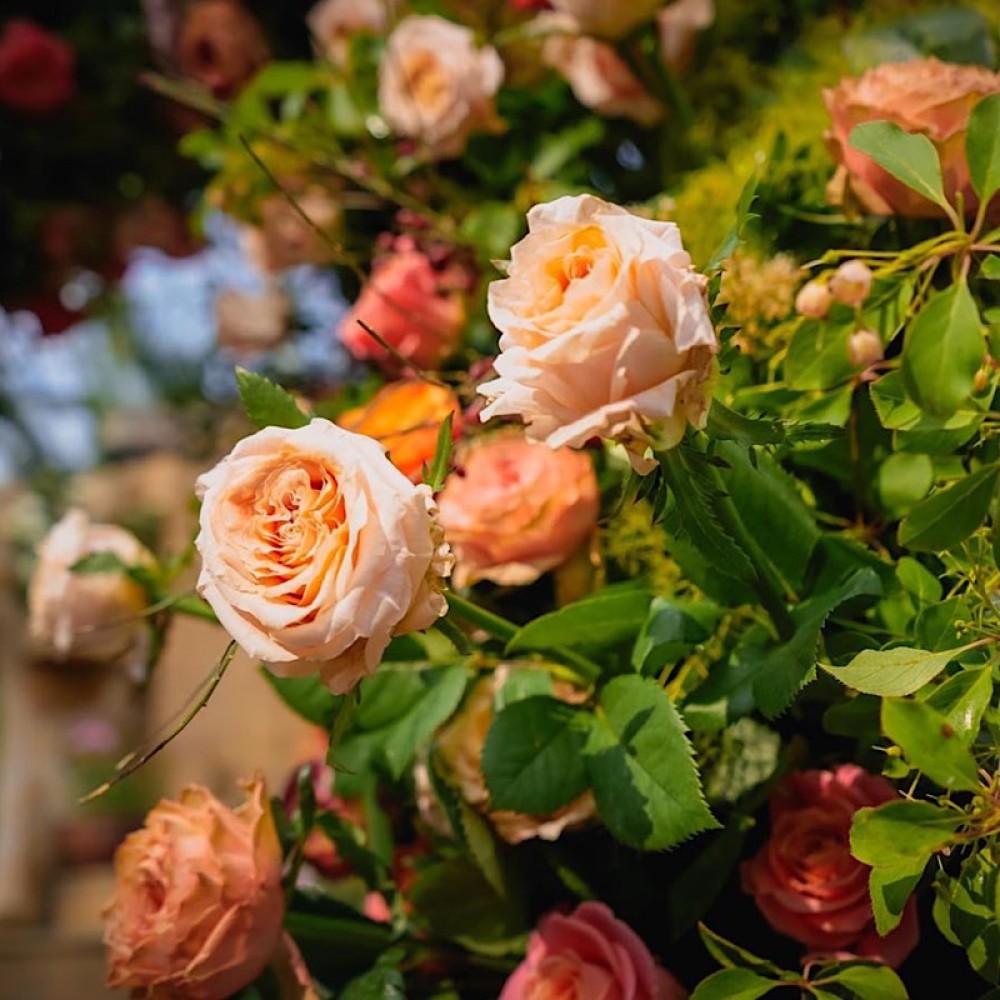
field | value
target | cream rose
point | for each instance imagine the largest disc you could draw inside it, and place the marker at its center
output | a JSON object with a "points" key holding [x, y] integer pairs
{"points": [[459, 746], [605, 330], [436, 86], [316, 550], [198, 902], [599, 77], [608, 18], [85, 616], [333, 22]]}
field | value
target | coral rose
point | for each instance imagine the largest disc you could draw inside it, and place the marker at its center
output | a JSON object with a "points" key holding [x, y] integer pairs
{"points": [[517, 509], [599, 77], [85, 616], [435, 86], [459, 746], [609, 20], [805, 880], [589, 954], [316, 551], [37, 68], [405, 417], [605, 330], [924, 96], [334, 22], [409, 305], [198, 902], [221, 45]]}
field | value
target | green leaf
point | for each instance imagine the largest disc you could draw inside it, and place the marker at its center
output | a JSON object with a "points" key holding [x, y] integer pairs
{"points": [[936, 627], [949, 516], [890, 888], [909, 157], [944, 349], [306, 696], [990, 268], [641, 769], [733, 984], [556, 150], [532, 760], [968, 914], [442, 456], [903, 480], [381, 983], [266, 403], [734, 237], [725, 424], [604, 619], [817, 355], [522, 683], [962, 700], [892, 672], [868, 982], [672, 631], [982, 147], [732, 956], [930, 744], [897, 411], [347, 838]]}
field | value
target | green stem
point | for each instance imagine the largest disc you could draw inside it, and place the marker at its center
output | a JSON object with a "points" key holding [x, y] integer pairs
{"points": [[503, 629]]}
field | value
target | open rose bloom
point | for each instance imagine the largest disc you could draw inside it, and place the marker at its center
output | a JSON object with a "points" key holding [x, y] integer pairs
{"points": [[604, 328], [515, 509], [805, 880], [925, 96], [316, 550], [589, 955], [198, 901]]}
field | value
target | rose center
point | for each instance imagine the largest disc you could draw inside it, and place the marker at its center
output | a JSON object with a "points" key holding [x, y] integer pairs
{"points": [[425, 80]]}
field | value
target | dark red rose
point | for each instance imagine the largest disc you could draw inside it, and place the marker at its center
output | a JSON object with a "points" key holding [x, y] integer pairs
{"points": [[36, 68]]}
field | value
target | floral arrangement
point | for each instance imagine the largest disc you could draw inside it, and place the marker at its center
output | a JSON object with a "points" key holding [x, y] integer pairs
{"points": [[654, 639]]}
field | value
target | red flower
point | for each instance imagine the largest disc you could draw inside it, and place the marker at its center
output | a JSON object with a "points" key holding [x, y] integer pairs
{"points": [[36, 68]]}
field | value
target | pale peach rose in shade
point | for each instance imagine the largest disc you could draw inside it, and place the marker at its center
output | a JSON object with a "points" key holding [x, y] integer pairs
{"points": [[805, 879], [316, 550], [601, 80], [515, 509], [605, 331], [221, 46], [334, 22], [589, 954], [85, 616], [285, 239], [679, 24], [608, 18], [459, 746], [409, 305], [436, 87], [405, 417], [925, 96], [198, 902]]}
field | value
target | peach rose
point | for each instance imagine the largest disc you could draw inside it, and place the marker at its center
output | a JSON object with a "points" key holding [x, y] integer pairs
{"points": [[679, 23], [198, 902], [924, 96], [459, 745], [405, 417], [435, 86], [316, 551], [221, 45], [408, 304], [85, 616], [517, 509], [601, 80], [608, 19], [333, 22], [605, 330], [805, 879], [589, 954]]}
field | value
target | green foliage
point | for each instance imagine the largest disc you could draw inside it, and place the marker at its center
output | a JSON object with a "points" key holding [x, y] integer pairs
{"points": [[982, 144], [266, 403], [966, 911], [441, 464], [950, 515], [892, 672], [306, 696]]}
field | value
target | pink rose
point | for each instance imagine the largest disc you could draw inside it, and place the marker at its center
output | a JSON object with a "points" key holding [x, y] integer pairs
{"points": [[408, 304], [805, 879], [198, 902], [37, 68], [517, 509], [589, 955], [925, 96], [605, 331], [316, 550]]}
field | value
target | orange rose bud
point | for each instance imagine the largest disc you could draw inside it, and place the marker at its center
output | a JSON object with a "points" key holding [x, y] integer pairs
{"points": [[405, 417]]}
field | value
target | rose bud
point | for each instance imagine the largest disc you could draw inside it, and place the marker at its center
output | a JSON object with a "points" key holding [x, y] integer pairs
{"points": [[198, 901], [864, 348], [851, 283], [92, 617], [589, 953], [814, 300]]}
